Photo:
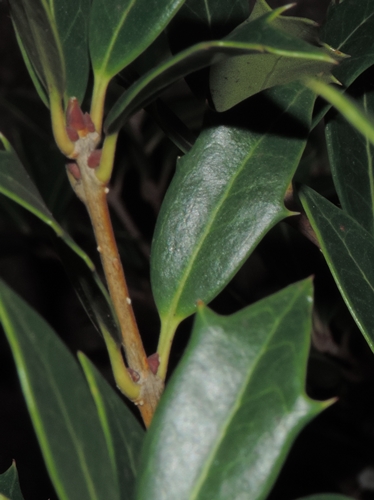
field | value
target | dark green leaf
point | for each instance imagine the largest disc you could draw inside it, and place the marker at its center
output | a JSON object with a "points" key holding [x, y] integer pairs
{"points": [[16, 184], [349, 252], [54, 42], [120, 31], [258, 36], [351, 159], [226, 194], [123, 433], [90, 290], [60, 405], [350, 30], [9, 485], [237, 78], [207, 20], [234, 404], [72, 27]]}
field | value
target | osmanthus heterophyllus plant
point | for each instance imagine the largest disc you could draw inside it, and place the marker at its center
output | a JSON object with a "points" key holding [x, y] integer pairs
{"points": [[236, 401]]}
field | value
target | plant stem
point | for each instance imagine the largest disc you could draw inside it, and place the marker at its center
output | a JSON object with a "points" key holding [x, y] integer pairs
{"points": [[98, 101], [95, 193]]}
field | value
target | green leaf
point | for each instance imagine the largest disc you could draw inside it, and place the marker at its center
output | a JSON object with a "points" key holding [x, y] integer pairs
{"points": [[349, 29], [91, 292], [226, 194], [234, 405], [349, 253], [351, 159], [123, 434], [259, 36], [16, 184], [9, 484], [120, 31], [60, 405], [53, 39], [237, 78], [207, 20]]}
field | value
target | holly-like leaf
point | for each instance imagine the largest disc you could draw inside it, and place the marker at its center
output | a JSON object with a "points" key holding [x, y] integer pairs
{"points": [[234, 405], [351, 159], [237, 78], [349, 253], [53, 39], [120, 31], [123, 433], [255, 37], [227, 193], [9, 484], [60, 405]]}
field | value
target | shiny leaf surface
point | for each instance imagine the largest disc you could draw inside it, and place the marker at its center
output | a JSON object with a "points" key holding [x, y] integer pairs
{"points": [[234, 404], [349, 252], [226, 194], [9, 484], [60, 405], [123, 433], [120, 31], [259, 36]]}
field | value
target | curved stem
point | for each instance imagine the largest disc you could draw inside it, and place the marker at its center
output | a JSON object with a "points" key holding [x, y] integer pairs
{"points": [[168, 329], [98, 101], [104, 170], [65, 145]]}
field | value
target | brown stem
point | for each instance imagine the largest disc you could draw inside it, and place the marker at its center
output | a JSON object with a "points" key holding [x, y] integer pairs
{"points": [[95, 193]]}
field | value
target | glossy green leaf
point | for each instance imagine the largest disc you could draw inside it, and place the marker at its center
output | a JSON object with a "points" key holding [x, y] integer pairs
{"points": [[327, 496], [53, 39], [234, 404], [123, 433], [16, 184], [350, 30], [60, 405], [351, 159], [9, 484], [226, 194], [349, 253], [259, 36], [120, 31], [237, 78]]}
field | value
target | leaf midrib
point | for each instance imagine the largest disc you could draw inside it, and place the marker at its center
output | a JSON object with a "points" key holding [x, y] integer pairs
{"points": [[174, 304], [114, 37], [206, 468]]}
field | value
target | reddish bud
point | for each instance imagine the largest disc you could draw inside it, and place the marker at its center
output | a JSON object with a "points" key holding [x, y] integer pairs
{"points": [[154, 362], [93, 160], [133, 374], [72, 134], [74, 115], [89, 123], [74, 170]]}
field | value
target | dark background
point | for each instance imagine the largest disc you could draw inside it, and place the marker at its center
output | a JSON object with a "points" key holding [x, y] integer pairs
{"points": [[333, 453]]}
